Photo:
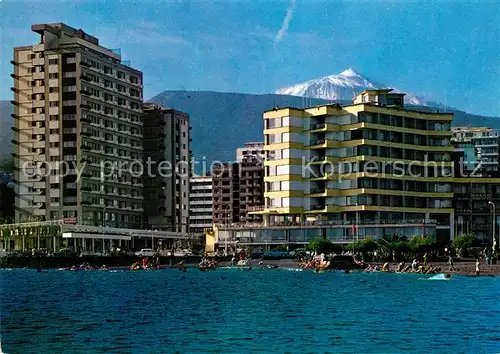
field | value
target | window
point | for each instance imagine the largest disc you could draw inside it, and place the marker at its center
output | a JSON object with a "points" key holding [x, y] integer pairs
{"points": [[53, 103], [53, 61], [53, 89], [53, 75]]}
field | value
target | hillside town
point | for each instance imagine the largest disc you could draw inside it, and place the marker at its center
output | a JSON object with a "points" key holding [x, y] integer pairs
{"points": [[98, 169]]}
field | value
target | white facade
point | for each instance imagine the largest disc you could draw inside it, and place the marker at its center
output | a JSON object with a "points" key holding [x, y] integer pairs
{"points": [[485, 142], [200, 204], [255, 149]]}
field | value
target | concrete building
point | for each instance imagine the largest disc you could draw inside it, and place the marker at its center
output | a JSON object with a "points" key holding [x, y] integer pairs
{"points": [[481, 147], [349, 172], [476, 197], [76, 105], [251, 174], [226, 193], [200, 204], [166, 183], [252, 149]]}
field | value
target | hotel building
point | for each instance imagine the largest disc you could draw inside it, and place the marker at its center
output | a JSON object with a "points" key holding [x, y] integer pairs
{"points": [[481, 147], [349, 172], [166, 188], [200, 204], [76, 105]]}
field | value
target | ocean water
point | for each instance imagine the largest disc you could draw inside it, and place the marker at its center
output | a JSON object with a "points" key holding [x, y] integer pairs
{"points": [[230, 311]]}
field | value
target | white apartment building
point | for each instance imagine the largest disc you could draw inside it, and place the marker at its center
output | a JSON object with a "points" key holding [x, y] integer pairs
{"points": [[485, 142], [254, 149], [200, 204]]}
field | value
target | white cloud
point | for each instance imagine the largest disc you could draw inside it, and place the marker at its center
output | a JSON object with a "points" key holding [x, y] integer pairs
{"points": [[286, 22]]}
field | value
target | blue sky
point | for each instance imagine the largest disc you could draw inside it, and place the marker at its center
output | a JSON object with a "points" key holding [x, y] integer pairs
{"points": [[444, 50]]}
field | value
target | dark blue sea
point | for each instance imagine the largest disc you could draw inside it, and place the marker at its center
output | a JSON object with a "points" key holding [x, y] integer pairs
{"points": [[230, 311]]}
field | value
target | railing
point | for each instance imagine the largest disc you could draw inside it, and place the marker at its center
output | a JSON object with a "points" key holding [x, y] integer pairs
{"points": [[317, 142], [317, 126], [317, 190], [344, 223]]}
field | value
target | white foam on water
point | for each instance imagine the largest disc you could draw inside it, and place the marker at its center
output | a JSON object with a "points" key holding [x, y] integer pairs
{"points": [[438, 277]]}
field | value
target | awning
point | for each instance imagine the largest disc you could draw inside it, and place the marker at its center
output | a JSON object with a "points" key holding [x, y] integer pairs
{"points": [[95, 236]]}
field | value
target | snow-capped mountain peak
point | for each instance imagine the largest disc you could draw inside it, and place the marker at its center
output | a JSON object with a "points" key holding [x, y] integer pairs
{"points": [[349, 72], [344, 86]]}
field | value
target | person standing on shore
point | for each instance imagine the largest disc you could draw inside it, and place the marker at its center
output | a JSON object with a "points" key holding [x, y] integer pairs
{"points": [[477, 267], [450, 262], [425, 259]]}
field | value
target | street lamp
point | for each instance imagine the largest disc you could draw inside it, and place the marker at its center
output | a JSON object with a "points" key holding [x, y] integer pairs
{"points": [[357, 222], [493, 207]]}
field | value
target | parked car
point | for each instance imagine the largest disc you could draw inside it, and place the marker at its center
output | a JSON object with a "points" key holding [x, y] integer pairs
{"points": [[145, 252], [257, 253], [275, 254], [183, 253]]}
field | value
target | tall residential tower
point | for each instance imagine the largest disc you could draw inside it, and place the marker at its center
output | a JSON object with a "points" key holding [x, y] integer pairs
{"points": [[166, 182], [76, 106]]}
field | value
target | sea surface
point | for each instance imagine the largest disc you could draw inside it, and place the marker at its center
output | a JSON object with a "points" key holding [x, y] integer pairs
{"points": [[231, 311]]}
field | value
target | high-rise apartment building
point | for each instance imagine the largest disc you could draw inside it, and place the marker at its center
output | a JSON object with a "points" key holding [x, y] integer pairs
{"points": [[251, 188], [255, 149], [226, 193], [200, 204], [370, 163], [481, 146], [77, 113], [166, 182]]}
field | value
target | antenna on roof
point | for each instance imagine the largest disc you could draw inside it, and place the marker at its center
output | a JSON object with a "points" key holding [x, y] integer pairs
{"points": [[445, 100]]}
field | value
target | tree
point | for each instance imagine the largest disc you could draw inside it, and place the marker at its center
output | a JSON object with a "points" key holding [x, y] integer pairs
{"points": [[462, 244], [364, 246], [323, 245], [422, 244]]}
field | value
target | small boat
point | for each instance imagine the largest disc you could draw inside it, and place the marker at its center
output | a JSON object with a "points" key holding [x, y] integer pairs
{"points": [[207, 265], [244, 264]]}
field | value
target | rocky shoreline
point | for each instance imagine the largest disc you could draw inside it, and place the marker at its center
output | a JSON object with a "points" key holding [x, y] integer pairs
{"points": [[461, 268]]}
